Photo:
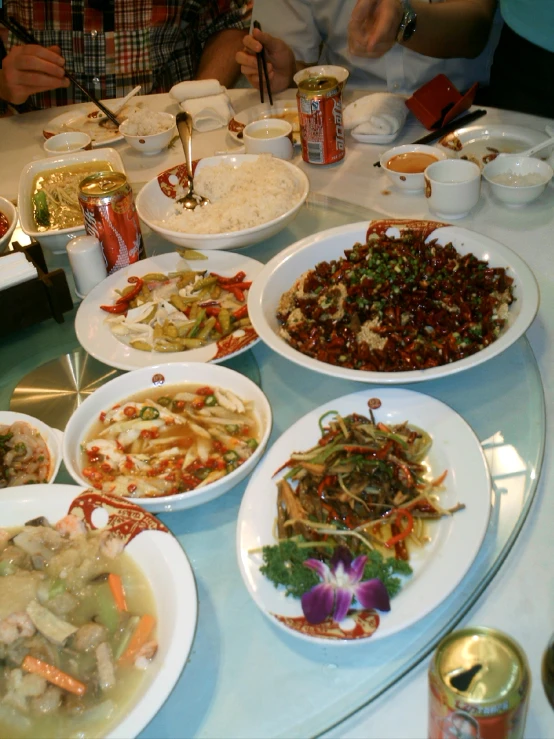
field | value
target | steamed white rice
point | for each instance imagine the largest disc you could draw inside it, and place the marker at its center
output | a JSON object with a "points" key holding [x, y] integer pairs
{"points": [[254, 193], [144, 122]]}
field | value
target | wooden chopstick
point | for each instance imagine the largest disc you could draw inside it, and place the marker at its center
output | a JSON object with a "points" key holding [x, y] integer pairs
{"points": [[23, 35], [262, 67], [452, 126]]}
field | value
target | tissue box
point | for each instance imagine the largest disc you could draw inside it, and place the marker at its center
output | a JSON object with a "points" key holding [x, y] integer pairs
{"points": [[438, 102]]}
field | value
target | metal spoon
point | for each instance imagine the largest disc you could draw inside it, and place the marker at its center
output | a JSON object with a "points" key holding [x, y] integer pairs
{"points": [[184, 128]]}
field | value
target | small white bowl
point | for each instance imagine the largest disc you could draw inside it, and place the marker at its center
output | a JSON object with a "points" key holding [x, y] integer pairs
{"points": [[517, 194], [405, 180], [64, 143], [52, 437], [152, 143], [341, 74], [10, 211], [176, 373], [154, 206]]}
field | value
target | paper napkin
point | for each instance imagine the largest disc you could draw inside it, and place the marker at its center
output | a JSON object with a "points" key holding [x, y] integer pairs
{"points": [[380, 113], [14, 269]]}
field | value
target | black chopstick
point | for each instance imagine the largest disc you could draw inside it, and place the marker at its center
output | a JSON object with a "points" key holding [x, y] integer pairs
{"points": [[452, 126], [262, 67], [23, 35]]}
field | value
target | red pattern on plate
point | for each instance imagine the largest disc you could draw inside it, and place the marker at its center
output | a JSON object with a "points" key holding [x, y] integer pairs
{"points": [[367, 623], [180, 171], [126, 520], [423, 228], [232, 343]]}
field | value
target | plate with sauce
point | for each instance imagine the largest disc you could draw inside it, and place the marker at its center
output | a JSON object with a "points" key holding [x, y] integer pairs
{"points": [[286, 110], [405, 165], [482, 144]]}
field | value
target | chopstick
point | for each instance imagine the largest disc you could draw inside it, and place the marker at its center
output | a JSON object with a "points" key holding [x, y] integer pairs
{"points": [[452, 126], [262, 67], [23, 35]]}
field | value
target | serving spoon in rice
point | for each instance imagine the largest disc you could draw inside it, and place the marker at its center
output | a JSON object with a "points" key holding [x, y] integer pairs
{"points": [[184, 127]]}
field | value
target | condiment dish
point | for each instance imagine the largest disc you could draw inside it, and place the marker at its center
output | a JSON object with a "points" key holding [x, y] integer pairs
{"points": [[151, 143], [52, 437], [10, 212], [170, 375], [523, 178], [410, 180], [63, 143]]}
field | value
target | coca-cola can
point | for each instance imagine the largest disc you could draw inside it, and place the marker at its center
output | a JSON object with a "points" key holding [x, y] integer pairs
{"points": [[110, 215], [320, 114]]}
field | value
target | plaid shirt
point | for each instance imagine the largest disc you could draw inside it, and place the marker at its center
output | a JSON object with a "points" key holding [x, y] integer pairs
{"points": [[112, 45]]}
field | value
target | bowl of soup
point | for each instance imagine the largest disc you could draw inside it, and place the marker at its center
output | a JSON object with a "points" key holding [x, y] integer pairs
{"points": [[169, 436], [30, 450], [405, 165], [8, 222], [98, 611], [49, 209]]}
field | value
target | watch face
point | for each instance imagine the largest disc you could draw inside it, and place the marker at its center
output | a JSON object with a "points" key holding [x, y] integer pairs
{"points": [[409, 29]]}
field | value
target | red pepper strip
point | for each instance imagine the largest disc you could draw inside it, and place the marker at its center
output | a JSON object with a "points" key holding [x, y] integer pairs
{"points": [[133, 293], [406, 531], [237, 292], [439, 480], [354, 448], [206, 390], [213, 310], [228, 280], [240, 285], [383, 427], [327, 481], [288, 463], [218, 327], [423, 506], [117, 308], [241, 312]]}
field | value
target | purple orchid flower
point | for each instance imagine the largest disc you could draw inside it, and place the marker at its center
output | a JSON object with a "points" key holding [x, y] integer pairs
{"points": [[340, 583]]}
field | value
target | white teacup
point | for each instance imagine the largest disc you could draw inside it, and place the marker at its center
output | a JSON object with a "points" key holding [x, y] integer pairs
{"points": [[269, 136], [452, 187]]}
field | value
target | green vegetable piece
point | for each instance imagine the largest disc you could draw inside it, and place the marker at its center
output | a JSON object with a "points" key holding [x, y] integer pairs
{"points": [[7, 568], [40, 209], [165, 401], [231, 456], [108, 615], [148, 413], [284, 565], [232, 428], [126, 637], [57, 587], [210, 400], [252, 443]]}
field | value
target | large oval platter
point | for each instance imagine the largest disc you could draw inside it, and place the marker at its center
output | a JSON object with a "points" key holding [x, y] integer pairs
{"points": [[280, 274], [438, 566], [97, 339]]}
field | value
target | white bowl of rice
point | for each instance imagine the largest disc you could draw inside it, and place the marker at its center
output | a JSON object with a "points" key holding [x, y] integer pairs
{"points": [[517, 180], [252, 197], [148, 131]]}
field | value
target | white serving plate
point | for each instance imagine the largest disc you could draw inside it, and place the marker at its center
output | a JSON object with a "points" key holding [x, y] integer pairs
{"points": [[57, 240], [280, 273], [287, 109], [122, 387], [96, 338], [154, 205], [162, 560], [52, 437], [476, 142], [438, 567]]}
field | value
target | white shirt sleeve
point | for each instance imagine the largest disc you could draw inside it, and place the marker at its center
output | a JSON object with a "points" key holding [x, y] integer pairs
{"points": [[292, 21]]}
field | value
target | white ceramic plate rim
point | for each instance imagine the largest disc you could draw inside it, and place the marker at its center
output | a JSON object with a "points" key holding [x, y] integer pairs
{"points": [[475, 134], [96, 338], [248, 115], [19, 504], [456, 540], [54, 125], [260, 303]]}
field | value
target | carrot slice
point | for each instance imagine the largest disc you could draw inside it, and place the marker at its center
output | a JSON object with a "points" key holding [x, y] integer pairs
{"points": [[139, 638], [118, 591], [53, 675]]}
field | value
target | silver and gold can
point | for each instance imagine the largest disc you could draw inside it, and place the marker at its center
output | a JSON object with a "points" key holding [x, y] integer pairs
{"points": [[478, 686], [320, 115]]}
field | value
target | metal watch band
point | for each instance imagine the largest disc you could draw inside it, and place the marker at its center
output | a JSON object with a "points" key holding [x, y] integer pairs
{"points": [[408, 23]]}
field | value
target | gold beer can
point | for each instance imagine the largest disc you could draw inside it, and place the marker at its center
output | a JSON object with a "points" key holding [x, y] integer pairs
{"points": [[479, 684]]}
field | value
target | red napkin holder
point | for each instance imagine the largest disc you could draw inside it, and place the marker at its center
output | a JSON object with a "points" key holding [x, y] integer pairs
{"points": [[438, 102]]}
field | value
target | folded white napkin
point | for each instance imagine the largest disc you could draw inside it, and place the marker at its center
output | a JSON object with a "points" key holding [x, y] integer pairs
{"points": [[14, 269], [195, 89], [209, 113], [380, 113]]}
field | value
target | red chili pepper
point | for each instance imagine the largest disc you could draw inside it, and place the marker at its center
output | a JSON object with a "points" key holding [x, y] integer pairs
{"points": [[206, 390], [401, 513], [240, 285], [117, 308], [328, 480], [213, 310], [228, 280], [237, 292], [217, 327], [241, 312], [132, 293], [130, 412], [198, 403]]}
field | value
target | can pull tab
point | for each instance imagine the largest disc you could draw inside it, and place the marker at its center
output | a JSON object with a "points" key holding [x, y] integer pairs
{"points": [[462, 680]]}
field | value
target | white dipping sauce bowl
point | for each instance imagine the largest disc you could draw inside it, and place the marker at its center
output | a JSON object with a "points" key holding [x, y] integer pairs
{"points": [[516, 195], [63, 143], [406, 180]]}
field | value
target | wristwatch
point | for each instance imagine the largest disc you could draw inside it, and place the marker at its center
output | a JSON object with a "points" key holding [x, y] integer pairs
{"points": [[407, 26]]}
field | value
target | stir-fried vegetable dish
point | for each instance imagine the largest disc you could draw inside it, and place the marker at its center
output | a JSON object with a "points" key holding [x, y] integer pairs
{"points": [[396, 304], [77, 630], [24, 455], [179, 311], [363, 486], [169, 441]]}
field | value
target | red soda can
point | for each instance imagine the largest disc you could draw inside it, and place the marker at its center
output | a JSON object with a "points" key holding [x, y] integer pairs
{"points": [[110, 215], [320, 114], [478, 687]]}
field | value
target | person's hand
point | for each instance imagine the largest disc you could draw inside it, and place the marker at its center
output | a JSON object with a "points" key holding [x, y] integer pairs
{"points": [[373, 27], [281, 64], [29, 69]]}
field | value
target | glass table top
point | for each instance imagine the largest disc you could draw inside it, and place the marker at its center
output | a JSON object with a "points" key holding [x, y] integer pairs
{"points": [[245, 678]]}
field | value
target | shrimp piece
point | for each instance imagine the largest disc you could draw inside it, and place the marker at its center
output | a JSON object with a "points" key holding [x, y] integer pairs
{"points": [[146, 654], [16, 625], [71, 526], [111, 545]]}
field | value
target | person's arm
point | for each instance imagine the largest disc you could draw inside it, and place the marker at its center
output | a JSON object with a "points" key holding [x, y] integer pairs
{"points": [[218, 57], [448, 29], [29, 69]]}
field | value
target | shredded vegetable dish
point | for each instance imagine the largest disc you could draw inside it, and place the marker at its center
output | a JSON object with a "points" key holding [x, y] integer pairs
{"points": [[363, 486], [396, 304], [179, 311], [182, 438]]}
